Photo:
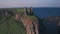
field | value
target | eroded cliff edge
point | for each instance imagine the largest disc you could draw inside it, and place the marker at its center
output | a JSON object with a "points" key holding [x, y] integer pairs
{"points": [[22, 15]]}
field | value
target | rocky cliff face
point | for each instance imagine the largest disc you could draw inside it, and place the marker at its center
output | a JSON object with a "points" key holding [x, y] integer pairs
{"points": [[31, 25], [53, 18], [30, 22]]}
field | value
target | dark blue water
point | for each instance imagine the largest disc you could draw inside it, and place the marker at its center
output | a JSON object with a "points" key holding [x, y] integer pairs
{"points": [[46, 12]]}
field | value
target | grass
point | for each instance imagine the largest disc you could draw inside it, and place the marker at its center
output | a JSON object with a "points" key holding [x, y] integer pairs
{"points": [[11, 27], [1, 17], [32, 17]]}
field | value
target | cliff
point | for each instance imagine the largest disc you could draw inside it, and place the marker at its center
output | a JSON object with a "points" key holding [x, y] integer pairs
{"points": [[12, 17], [30, 22]]}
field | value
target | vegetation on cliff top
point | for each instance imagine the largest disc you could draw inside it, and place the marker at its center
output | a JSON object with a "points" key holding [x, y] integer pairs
{"points": [[10, 26]]}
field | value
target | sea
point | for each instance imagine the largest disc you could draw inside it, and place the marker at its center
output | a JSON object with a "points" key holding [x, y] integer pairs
{"points": [[43, 12]]}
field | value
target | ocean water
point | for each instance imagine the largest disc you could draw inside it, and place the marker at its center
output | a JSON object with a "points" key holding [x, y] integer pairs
{"points": [[43, 12]]}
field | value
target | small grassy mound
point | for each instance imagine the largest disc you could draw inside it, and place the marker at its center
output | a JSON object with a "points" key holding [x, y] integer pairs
{"points": [[32, 17]]}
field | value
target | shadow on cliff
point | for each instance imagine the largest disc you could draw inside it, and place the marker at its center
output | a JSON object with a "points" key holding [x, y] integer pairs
{"points": [[59, 30], [41, 27]]}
